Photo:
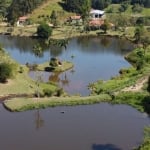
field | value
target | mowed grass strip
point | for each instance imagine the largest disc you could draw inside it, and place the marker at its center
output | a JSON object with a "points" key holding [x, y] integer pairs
{"points": [[23, 104]]}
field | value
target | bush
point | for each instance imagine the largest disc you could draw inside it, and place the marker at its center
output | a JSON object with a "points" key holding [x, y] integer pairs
{"points": [[6, 72], [60, 92], [47, 92], [44, 31], [137, 8]]}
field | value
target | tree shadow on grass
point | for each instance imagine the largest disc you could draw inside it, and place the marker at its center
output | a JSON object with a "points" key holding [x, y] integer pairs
{"points": [[104, 147]]}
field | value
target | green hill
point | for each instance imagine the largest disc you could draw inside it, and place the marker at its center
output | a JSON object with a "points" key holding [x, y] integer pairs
{"points": [[44, 11]]}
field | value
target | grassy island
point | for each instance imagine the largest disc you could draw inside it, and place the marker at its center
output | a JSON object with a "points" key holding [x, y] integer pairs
{"points": [[65, 65]]}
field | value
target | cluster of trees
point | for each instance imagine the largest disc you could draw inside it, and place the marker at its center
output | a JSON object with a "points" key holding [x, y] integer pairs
{"points": [[4, 4], [76, 5], [12, 9]]}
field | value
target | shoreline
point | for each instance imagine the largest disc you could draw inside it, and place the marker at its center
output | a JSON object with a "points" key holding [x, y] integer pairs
{"points": [[109, 94]]}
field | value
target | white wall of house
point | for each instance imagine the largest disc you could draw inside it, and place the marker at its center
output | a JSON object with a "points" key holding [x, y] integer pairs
{"points": [[96, 14]]}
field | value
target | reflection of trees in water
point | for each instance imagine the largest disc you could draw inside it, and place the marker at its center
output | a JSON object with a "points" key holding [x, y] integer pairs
{"points": [[65, 81], [104, 147], [101, 44], [55, 51], [39, 122], [85, 44], [54, 77], [105, 42]]}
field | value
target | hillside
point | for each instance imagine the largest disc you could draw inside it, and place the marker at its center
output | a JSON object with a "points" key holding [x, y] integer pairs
{"points": [[44, 11]]}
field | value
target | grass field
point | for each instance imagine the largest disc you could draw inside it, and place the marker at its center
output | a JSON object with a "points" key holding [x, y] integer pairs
{"points": [[44, 11]]}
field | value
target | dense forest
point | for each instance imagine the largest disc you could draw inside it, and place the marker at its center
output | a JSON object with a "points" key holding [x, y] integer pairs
{"points": [[74, 5], [12, 9]]}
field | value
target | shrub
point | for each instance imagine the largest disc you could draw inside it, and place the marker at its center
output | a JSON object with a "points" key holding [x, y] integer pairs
{"points": [[47, 92], [6, 72], [60, 92], [44, 31]]}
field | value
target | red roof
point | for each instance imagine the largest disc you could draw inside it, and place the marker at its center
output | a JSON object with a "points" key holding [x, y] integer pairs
{"points": [[23, 18], [96, 22], [75, 17]]}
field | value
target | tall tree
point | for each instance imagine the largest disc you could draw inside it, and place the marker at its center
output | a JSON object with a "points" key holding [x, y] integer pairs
{"points": [[100, 4]]}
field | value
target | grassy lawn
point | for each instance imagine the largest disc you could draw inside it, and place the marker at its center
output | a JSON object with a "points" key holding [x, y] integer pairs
{"points": [[114, 8], [18, 104], [45, 10], [23, 84]]}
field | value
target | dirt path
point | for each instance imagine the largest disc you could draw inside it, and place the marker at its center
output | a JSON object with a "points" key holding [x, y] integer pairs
{"points": [[138, 86]]}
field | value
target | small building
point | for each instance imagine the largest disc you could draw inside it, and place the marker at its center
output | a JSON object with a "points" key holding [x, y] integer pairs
{"points": [[96, 14], [22, 21], [75, 19]]}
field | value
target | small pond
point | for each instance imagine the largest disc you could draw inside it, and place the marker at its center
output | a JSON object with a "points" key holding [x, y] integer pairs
{"points": [[95, 127], [93, 58]]}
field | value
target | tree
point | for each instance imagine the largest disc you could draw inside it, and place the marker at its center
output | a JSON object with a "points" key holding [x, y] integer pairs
{"points": [[148, 88], [53, 18], [85, 9], [44, 31], [123, 7], [77, 6], [6, 72], [100, 4], [138, 32], [105, 26]]}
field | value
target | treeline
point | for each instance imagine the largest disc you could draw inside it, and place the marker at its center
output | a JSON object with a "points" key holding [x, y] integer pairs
{"points": [[74, 5]]}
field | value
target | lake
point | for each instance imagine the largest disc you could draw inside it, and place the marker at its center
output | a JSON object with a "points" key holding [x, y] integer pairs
{"points": [[92, 127], [94, 58]]}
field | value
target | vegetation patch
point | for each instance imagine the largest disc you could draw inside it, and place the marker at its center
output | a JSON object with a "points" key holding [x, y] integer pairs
{"points": [[22, 104], [65, 65]]}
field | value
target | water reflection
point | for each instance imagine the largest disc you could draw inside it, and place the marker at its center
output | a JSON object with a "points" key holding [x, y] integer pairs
{"points": [[39, 122], [104, 147], [93, 127], [94, 58]]}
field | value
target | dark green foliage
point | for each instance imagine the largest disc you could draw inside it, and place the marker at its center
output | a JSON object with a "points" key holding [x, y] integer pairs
{"points": [[78, 6], [123, 7], [105, 26], [6, 71], [54, 62], [100, 4], [4, 4], [137, 8], [20, 8], [44, 31], [48, 92], [138, 33], [59, 92], [53, 18], [148, 87], [37, 50]]}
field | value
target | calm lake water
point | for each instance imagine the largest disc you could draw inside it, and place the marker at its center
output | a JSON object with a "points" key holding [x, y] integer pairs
{"points": [[93, 58], [95, 127]]}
